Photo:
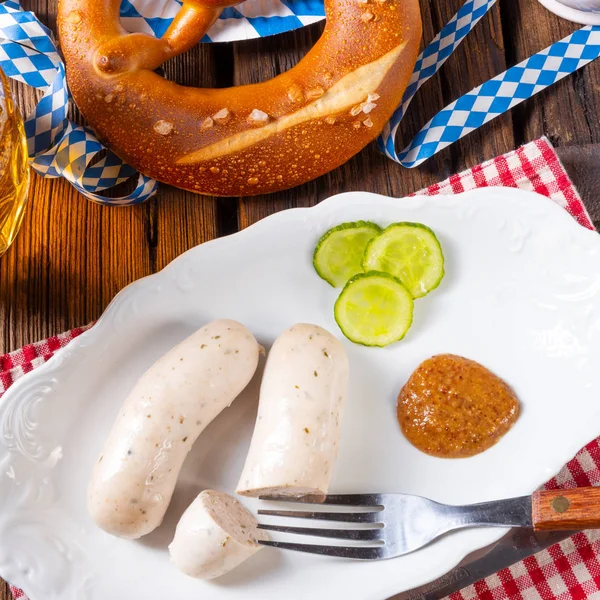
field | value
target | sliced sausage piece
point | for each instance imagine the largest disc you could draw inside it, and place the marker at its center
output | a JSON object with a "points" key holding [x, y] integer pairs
{"points": [[295, 440], [214, 535], [166, 411]]}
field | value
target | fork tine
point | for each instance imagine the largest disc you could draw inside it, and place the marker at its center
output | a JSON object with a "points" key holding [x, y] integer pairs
{"points": [[364, 553], [335, 499], [360, 517], [339, 534]]}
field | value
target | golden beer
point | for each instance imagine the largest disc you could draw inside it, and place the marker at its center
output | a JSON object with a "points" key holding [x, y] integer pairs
{"points": [[14, 167]]}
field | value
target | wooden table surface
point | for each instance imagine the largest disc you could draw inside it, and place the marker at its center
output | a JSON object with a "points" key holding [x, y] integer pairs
{"points": [[73, 256]]}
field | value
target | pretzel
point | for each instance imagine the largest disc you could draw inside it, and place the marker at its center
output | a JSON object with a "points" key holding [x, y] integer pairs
{"points": [[245, 140]]}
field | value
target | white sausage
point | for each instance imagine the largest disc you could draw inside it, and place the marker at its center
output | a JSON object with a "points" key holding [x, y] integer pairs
{"points": [[166, 411], [295, 439], [214, 535]]}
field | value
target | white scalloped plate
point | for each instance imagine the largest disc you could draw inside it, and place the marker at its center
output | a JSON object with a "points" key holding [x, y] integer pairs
{"points": [[521, 296]]}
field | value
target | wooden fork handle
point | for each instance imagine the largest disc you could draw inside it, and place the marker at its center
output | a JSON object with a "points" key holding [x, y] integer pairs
{"points": [[569, 510]]}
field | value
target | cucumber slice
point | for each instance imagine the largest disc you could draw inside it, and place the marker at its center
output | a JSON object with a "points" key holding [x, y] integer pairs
{"points": [[374, 309], [339, 252], [410, 252]]}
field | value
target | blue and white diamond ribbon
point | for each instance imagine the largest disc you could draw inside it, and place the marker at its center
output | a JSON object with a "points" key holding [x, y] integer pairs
{"points": [[430, 61], [57, 146], [251, 19], [60, 148], [487, 101]]}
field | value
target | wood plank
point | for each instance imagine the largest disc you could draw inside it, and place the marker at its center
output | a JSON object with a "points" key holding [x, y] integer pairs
{"points": [[582, 163], [565, 112], [73, 256], [481, 56], [4, 591]]}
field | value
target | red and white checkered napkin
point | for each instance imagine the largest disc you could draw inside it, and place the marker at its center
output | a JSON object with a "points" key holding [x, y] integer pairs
{"points": [[569, 570]]}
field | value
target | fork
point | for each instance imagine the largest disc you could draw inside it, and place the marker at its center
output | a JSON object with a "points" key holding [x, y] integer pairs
{"points": [[389, 525]]}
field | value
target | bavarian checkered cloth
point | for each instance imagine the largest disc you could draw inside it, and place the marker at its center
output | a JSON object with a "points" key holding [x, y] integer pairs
{"points": [[252, 19], [569, 570], [489, 100]]}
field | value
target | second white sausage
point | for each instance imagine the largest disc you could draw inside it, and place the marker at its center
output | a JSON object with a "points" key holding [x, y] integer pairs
{"points": [[166, 411], [295, 441]]}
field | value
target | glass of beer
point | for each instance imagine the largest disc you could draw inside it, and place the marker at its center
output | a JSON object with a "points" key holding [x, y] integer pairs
{"points": [[14, 167]]}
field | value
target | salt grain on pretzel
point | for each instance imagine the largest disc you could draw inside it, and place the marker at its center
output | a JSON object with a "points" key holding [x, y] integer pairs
{"points": [[314, 93], [163, 127], [258, 116], [206, 124], [366, 54], [222, 117], [367, 107], [295, 93]]}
